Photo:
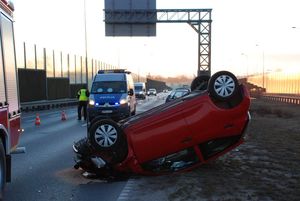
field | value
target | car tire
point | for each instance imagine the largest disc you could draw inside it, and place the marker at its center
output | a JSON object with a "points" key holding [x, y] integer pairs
{"points": [[2, 170], [95, 119], [105, 135], [223, 85], [200, 83]]}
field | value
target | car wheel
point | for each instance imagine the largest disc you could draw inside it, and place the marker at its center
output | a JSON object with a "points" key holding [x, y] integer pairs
{"points": [[223, 86], [105, 135], [2, 170], [200, 83], [94, 120]]}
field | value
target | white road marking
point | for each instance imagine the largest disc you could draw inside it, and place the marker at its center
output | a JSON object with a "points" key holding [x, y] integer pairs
{"points": [[125, 194]]}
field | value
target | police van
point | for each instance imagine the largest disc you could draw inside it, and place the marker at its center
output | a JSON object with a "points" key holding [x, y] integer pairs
{"points": [[112, 95]]}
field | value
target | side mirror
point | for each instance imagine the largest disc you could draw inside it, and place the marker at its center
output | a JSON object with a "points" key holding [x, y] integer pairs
{"points": [[130, 92]]}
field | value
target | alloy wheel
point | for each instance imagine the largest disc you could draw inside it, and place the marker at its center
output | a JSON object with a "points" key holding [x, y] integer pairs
{"points": [[224, 86], [106, 135]]}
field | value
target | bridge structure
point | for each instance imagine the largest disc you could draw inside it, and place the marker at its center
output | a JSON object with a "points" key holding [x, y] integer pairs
{"points": [[199, 19]]}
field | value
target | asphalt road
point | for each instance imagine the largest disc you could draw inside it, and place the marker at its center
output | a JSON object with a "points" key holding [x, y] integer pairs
{"points": [[45, 172]]}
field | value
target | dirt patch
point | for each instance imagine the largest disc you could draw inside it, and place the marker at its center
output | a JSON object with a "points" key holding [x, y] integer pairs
{"points": [[77, 177], [266, 167]]}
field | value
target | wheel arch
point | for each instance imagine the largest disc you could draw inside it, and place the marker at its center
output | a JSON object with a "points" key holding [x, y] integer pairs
{"points": [[4, 137]]}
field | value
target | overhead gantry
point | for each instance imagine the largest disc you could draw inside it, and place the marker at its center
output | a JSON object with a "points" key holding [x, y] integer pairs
{"points": [[199, 19]]}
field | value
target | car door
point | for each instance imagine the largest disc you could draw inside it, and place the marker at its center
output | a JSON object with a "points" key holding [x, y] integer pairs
{"points": [[163, 131]]}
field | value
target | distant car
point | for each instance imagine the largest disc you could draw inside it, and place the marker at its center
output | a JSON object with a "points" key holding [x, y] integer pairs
{"points": [[151, 92], [175, 136], [177, 93], [140, 90]]}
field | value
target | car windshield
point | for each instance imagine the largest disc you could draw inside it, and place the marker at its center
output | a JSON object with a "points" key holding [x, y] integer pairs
{"points": [[138, 88], [179, 94], [109, 87]]}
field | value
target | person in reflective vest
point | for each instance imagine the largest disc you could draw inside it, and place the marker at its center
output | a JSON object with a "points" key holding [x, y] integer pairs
{"points": [[83, 97]]}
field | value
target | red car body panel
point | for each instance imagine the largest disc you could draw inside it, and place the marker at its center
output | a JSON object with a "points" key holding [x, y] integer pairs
{"points": [[182, 124], [151, 136]]}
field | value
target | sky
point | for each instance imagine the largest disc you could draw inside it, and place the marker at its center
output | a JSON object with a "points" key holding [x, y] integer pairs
{"points": [[248, 36]]}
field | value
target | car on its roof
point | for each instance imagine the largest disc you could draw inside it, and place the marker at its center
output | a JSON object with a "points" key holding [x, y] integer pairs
{"points": [[176, 136], [177, 93]]}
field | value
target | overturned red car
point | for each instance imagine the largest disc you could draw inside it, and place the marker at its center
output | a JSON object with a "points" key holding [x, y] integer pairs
{"points": [[178, 135]]}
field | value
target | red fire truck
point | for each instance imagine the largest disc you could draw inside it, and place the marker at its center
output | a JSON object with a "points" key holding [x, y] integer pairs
{"points": [[10, 115]]}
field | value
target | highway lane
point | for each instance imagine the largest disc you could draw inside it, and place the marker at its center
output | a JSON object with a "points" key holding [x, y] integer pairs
{"points": [[45, 171]]}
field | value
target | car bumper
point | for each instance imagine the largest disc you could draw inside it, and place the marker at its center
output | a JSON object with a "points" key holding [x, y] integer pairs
{"points": [[115, 113]]}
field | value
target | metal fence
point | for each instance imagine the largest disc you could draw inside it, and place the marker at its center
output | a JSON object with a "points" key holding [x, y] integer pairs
{"points": [[59, 64], [288, 98], [278, 82]]}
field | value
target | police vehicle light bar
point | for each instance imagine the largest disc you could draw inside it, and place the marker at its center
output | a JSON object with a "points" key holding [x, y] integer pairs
{"points": [[114, 71]]}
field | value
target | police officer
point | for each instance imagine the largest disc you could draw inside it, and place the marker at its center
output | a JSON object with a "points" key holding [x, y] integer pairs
{"points": [[83, 97]]}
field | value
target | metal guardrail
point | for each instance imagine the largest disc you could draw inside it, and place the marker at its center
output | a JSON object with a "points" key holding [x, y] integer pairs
{"points": [[47, 104], [285, 98]]}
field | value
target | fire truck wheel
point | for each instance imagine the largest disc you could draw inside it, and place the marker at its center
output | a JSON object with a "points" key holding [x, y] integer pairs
{"points": [[2, 169]]}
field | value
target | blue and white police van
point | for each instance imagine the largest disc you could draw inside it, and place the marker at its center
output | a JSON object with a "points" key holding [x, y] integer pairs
{"points": [[112, 95]]}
